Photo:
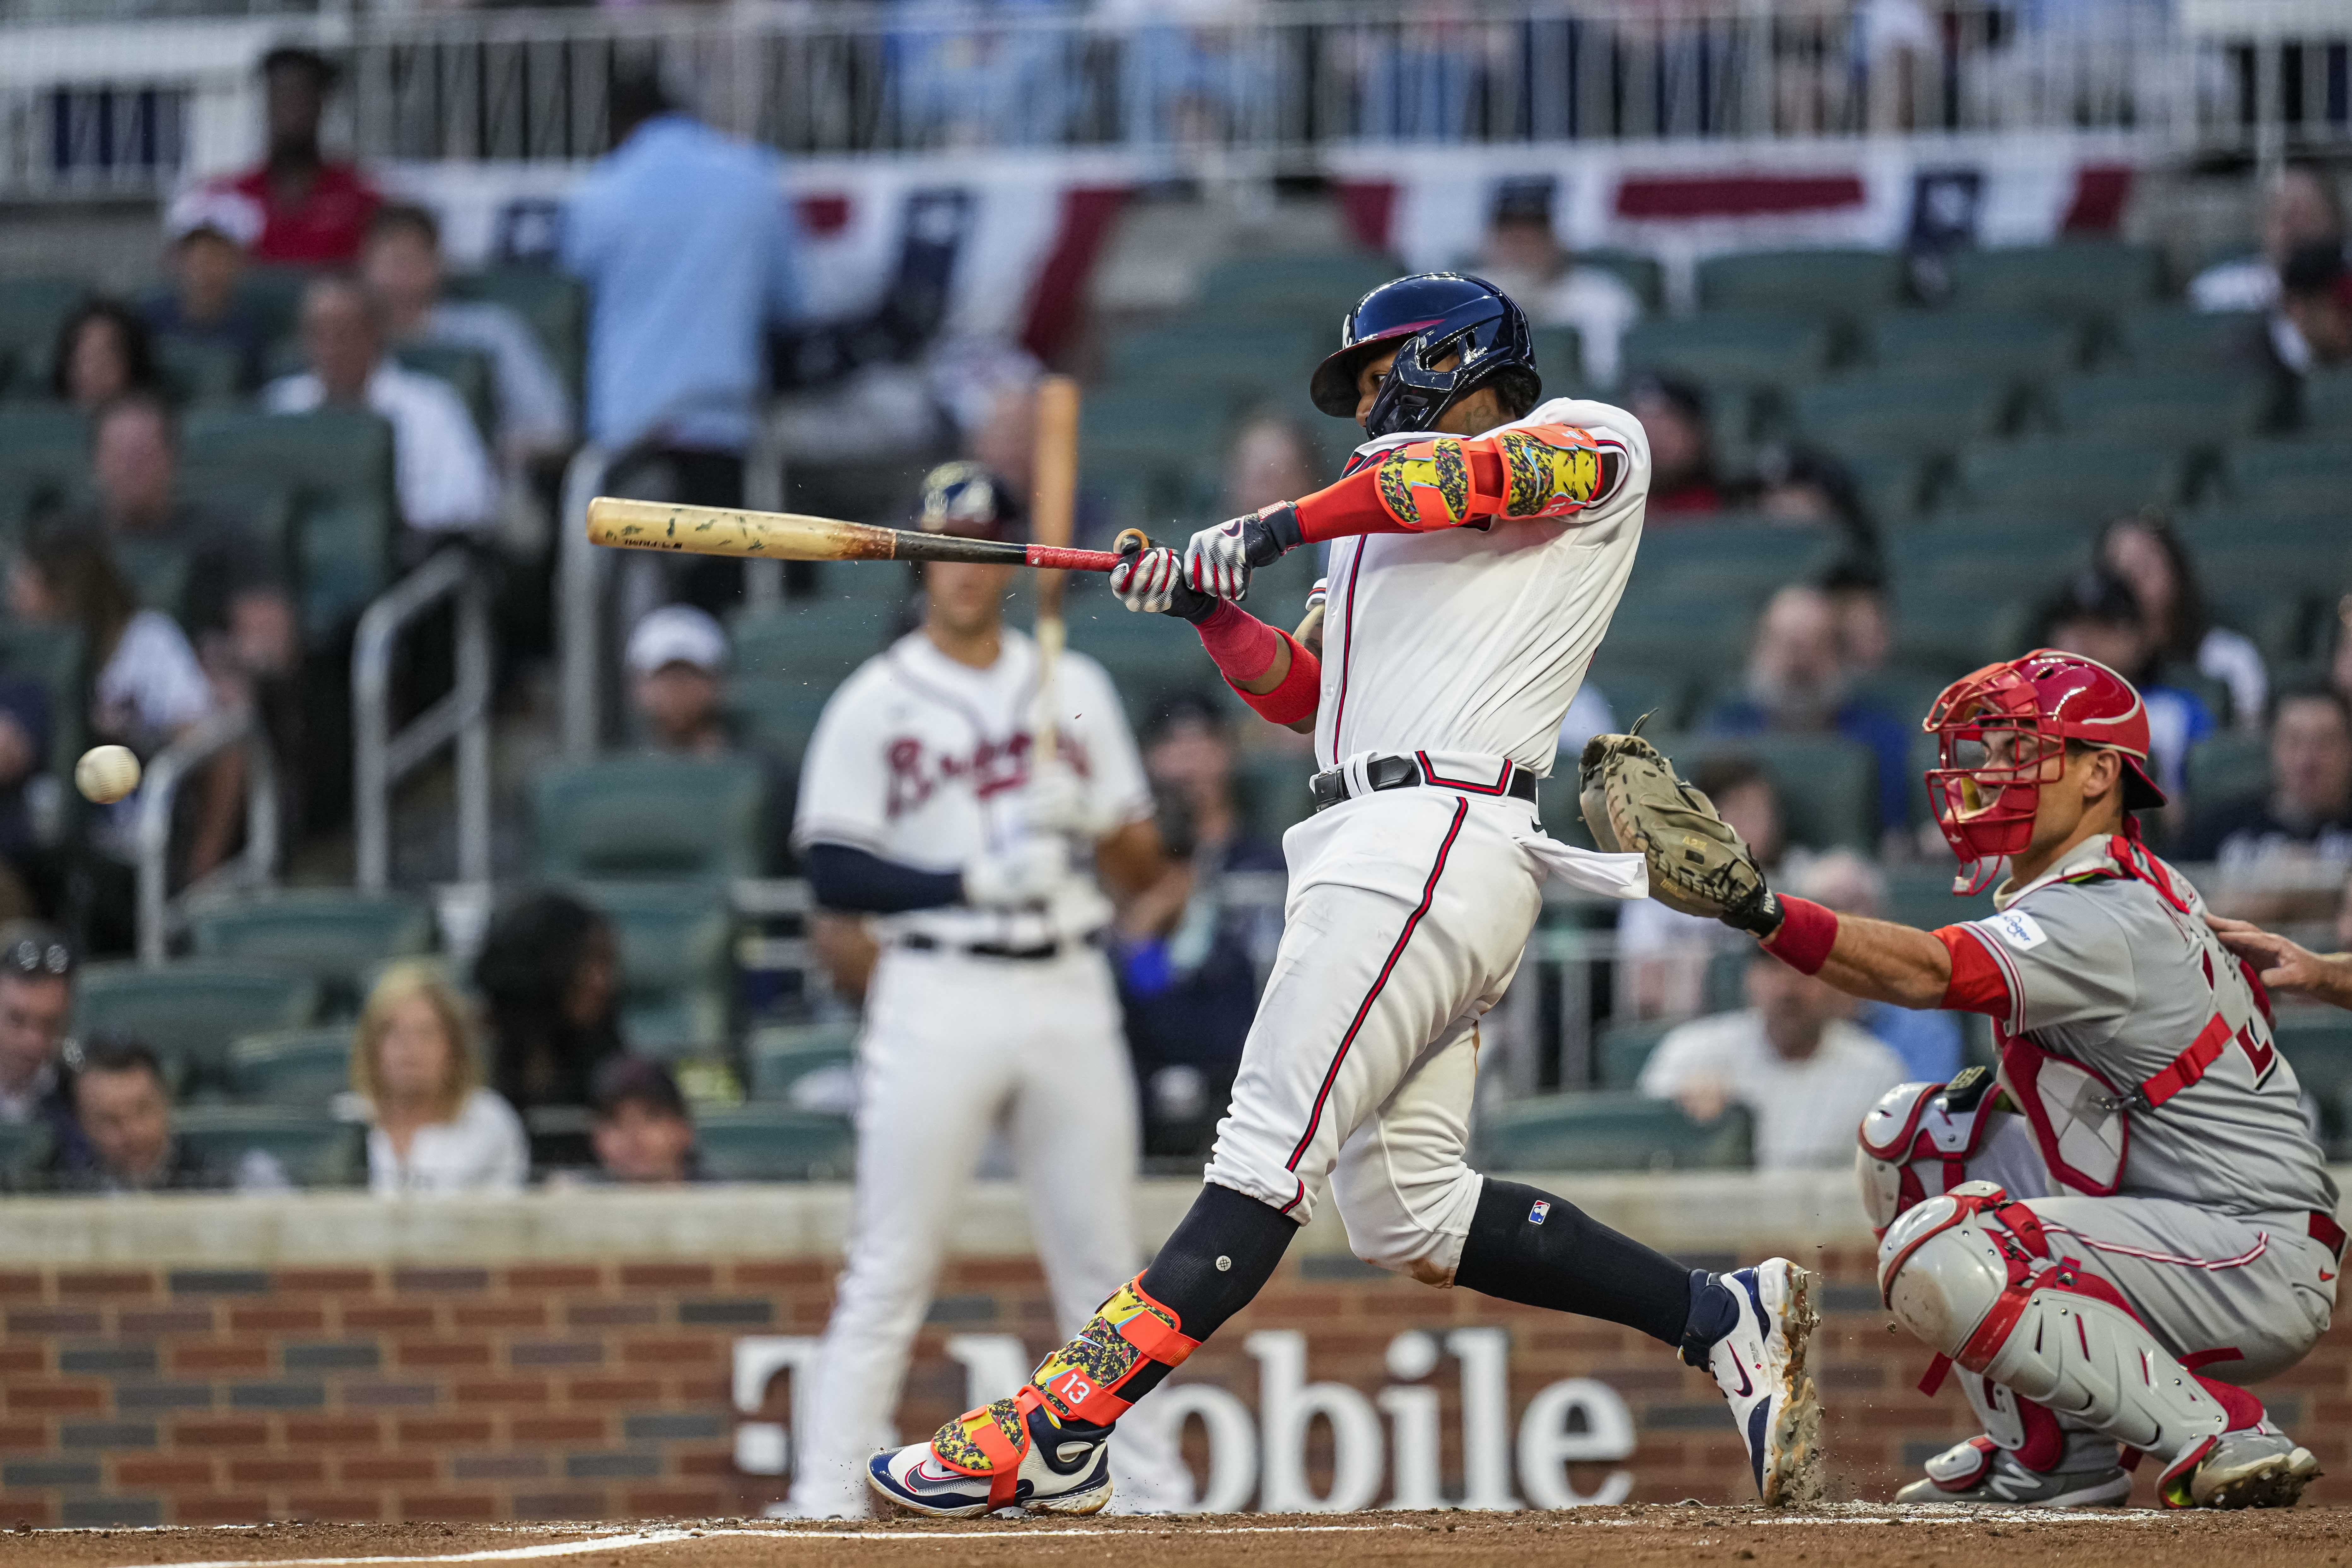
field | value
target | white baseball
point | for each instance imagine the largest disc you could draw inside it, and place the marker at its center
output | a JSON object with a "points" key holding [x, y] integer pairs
{"points": [[107, 774]]}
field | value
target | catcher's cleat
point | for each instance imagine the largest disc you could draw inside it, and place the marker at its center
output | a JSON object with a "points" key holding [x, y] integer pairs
{"points": [[1010, 1454], [2259, 1467], [1981, 1473], [1761, 1367]]}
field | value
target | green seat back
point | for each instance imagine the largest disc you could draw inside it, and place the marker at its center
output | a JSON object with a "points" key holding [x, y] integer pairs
{"points": [[2269, 558], [1831, 283], [331, 933], [2317, 1043], [1611, 1130], [272, 295], [1827, 783], [51, 656], [1731, 348], [1635, 687], [768, 1143], [651, 818], [2074, 280], [292, 1066], [1245, 355], [1914, 415], [2198, 410], [2328, 404], [189, 1013], [469, 371], [156, 569], [782, 1055], [47, 444], [2176, 338], [669, 936], [1151, 657], [2087, 479], [813, 641], [1645, 275], [1319, 287], [1272, 787], [2016, 345], [200, 370], [2291, 477], [313, 1147], [777, 718], [2228, 766], [337, 463], [32, 312], [22, 1144], [553, 306], [1921, 896], [1624, 1047], [1560, 359]]}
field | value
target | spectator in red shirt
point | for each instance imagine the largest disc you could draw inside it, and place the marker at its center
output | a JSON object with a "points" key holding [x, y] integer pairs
{"points": [[315, 213]]}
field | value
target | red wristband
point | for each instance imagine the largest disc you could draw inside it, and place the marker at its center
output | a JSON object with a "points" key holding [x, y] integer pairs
{"points": [[1806, 933], [1300, 691], [1243, 645]]}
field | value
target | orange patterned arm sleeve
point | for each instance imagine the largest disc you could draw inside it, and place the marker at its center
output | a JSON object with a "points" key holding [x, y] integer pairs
{"points": [[1444, 482]]}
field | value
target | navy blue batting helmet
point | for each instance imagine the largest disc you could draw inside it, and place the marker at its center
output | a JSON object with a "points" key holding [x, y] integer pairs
{"points": [[969, 500], [1427, 318]]}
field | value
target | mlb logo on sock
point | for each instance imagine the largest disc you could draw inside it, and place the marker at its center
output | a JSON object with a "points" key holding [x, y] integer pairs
{"points": [[1536, 1214]]}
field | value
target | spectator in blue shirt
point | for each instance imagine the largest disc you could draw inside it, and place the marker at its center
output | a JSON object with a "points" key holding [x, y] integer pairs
{"points": [[686, 245], [1797, 682]]}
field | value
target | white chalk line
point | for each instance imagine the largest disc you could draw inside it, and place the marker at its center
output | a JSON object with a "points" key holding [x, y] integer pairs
{"points": [[1568, 1518]]}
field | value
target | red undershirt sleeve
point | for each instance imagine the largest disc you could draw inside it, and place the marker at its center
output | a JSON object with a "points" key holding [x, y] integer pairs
{"points": [[1978, 985]]}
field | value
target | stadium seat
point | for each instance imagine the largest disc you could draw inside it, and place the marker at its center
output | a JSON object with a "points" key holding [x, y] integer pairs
{"points": [[2289, 478], [2016, 345], [1623, 1050], [1727, 348], [1827, 783], [53, 656], [651, 818], [2317, 1043], [674, 969], [1272, 789], [1838, 285], [1643, 273], [198, 371], [31, 311], [1321, 287], [2328, 404], [2201, 411], [1152, 457], [553, 306], [467, 371], [1560, 359], [313, 1148], [1252, 358], [815, 641], [1922, 896], [338, 464], [21, 1143], [2248, 554], [272, 295], [48, 443], [768, 1143], [2225, 766], [1150, 657], [2074, 280], [2087, 479], [2179, 337], [1909, 413], [1634, 688], [189, 1013], [776, 718], [1744, 555], [780, 1055], [332, 934], [1608, 1131], [294, 1067]]}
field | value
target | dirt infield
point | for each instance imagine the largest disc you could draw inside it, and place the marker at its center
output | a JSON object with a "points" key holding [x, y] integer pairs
{"points": [[1633, 1537]]}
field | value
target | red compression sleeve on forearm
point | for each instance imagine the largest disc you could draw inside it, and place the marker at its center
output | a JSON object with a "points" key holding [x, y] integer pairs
{"points": [[1243, 645], [1346, 509], [1300, 690], [1806, 933]]}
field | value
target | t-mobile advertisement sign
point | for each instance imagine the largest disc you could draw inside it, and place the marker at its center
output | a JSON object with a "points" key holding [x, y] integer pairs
{"points": [[1384, 1445]]}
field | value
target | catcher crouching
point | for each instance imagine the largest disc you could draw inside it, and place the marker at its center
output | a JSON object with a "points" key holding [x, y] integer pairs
{"points": [[2107, 1245]]}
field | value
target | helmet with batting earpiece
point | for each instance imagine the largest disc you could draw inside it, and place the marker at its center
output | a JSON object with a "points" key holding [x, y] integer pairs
{"points": [[1997, 730], [1453, 334], [969, 500]]}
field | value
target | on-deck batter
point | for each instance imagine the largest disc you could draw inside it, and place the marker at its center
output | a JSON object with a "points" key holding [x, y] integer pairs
{"points": [[1481, 542], [921, 805]]}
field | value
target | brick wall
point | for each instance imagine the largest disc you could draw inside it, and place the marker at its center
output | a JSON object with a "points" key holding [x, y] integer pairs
{"points": [[577, 1390]]}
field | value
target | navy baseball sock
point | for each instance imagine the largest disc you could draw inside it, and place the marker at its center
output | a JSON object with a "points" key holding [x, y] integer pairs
{"points": [[1216, 1260], [1527, 1246]]}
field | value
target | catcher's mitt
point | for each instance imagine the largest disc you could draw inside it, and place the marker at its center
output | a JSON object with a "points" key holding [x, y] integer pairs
{"points": [[1633, 802]]}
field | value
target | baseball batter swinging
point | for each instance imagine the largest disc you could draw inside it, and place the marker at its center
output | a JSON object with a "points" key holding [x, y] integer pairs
{"points": [[2134, 1222], [923, 805], [1480, 541]]}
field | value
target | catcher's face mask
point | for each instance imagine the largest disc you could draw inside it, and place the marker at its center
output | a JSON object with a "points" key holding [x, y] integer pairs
{"points": [[1993, 760]]}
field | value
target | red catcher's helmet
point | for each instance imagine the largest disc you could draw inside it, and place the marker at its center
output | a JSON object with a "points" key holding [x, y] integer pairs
{"points": [[2001, 734]]}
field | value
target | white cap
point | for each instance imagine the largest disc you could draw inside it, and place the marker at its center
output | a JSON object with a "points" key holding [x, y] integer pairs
{"points": [[677, 634], [235, 216]]}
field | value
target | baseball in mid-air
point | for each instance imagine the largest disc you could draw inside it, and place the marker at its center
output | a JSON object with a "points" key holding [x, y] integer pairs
{"points": [[107, 774]]}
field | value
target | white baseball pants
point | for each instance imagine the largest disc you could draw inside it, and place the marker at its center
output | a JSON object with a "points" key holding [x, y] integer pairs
{"points": [[1407, 914], [952, 1045]]}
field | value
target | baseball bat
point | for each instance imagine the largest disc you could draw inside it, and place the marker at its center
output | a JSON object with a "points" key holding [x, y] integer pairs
{"points": [[796, 536], [1053, 511]]}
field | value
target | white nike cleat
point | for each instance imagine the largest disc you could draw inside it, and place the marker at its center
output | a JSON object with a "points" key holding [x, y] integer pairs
{"points": [[1010, 1454], [1982, 1474], [1761, 1367]]}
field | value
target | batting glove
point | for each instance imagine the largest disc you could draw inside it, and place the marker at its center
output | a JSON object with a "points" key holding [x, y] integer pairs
{"points": [[1218, 561], [1025, 875], [1152, 581], [1057, 801]]}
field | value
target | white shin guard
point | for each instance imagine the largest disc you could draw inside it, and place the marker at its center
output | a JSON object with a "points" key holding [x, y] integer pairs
{"points": [[1972, 1275]]}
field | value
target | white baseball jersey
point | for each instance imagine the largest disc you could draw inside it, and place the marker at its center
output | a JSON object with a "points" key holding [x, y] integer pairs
{"points": [[1476, 639], [924, 761]]}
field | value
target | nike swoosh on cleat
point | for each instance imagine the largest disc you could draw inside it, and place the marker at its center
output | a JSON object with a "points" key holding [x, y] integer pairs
{"points": [[1747, 1387], [1756, 1432]]}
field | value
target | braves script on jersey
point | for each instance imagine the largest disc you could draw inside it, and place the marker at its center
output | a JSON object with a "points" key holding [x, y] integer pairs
{"points": [[1476, 638], [922, 760]]}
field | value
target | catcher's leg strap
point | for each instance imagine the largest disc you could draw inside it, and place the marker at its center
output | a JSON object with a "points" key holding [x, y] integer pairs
{"points": [[1527, 1246], [1974, 1274]]}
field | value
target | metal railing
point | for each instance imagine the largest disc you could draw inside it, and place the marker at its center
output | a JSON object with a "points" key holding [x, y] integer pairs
{"points": [[381, 758], [582, 571], [1267, 91], [159, 796]]}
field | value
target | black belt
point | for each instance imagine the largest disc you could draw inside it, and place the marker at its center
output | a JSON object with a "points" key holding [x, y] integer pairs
{"points": [[919, 942], [1330, 788]]}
